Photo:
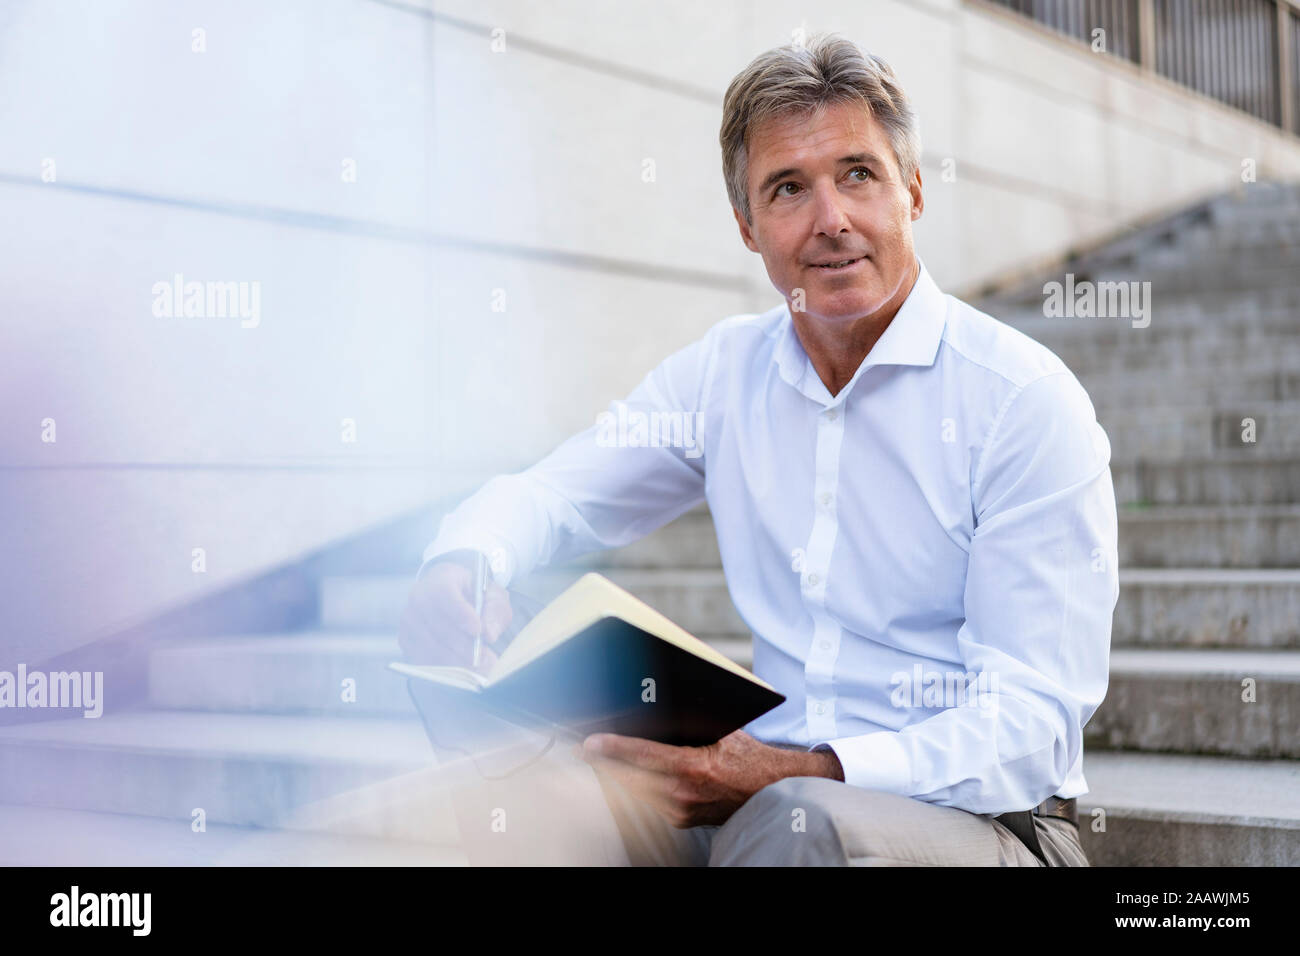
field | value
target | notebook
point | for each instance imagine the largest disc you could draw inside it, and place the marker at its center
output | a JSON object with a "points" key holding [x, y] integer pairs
{"points": [[599, 660]]}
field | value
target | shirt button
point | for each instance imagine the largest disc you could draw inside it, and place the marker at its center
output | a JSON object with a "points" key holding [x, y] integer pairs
{"points": [[832, 414], [813, 579], [826, 645], [821, 708], [827, 499]]}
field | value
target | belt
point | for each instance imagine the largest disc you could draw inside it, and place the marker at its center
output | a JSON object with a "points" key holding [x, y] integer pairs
{"points": [[1021, 822], [1058, 807]]}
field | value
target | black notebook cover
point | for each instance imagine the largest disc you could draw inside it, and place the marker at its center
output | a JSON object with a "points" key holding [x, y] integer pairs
{"points": [[595, 682]]}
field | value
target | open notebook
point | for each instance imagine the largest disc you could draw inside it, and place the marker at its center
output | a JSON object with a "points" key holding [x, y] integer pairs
{"points": [[597, 659]]}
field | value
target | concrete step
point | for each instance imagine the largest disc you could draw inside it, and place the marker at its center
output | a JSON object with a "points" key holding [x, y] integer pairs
{"points": [[737, 647], [1177, 432], [1156, 810], [1196, 536], [1198, 273], [1164, 607], [1205, 250], [240, 769], [1256, 232], [301, 673], [1177, 306], [1242, 216], [1197, 323], [1269, 197], [1201, 241], [1195, 607], [1205, 536], [40, 836], [1253, 479], [1236, 217], [1265, 194], [1175, 810], [1269, 244], [1280, 225], [1170, 357], [1264, 536], [1125, 392], [1191, 701], [1258, 199]]}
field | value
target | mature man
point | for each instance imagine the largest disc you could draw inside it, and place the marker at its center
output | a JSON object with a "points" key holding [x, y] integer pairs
{"points": [[910, 498]]}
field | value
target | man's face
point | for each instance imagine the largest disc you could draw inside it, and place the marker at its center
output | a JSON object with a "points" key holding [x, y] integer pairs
{"points": [[826, 189]]}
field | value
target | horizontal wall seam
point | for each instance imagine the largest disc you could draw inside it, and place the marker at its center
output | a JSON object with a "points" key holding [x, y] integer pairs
{"points": [[365, 228]]}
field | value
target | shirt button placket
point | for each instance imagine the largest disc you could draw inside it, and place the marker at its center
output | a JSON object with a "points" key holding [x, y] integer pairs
{"points": [[819, 669]]}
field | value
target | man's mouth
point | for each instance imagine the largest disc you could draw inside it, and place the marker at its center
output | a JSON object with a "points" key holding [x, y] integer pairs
{"points": [[838, 264]]}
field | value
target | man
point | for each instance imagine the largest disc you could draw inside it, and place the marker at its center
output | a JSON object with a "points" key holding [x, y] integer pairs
{"points": [[914, 509]]}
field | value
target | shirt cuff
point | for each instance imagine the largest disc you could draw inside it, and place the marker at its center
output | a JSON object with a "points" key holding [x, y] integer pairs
{"points": [[876, 761], [501, 559]]}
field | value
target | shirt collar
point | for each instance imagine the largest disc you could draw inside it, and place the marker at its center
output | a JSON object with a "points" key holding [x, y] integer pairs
{"points": [[911, 338]]}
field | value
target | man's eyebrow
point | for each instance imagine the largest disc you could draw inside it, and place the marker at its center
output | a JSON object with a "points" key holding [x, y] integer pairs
{"points": [[869, 159]]}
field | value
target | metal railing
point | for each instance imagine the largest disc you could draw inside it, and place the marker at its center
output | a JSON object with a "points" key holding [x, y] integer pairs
{"points": [[1291, 95], [1243, 53]]}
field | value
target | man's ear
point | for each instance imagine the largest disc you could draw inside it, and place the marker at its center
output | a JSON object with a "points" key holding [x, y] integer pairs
{"points": [[918, 201], [746, 235]]}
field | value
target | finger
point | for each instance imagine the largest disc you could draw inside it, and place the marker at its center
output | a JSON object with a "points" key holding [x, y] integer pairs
{"points": [[649, 754], [442, 622], [447, 608], [497, 613], [431, 642]]}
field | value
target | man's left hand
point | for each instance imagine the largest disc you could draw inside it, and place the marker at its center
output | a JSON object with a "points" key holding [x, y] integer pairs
{"points": [[695, 786]]}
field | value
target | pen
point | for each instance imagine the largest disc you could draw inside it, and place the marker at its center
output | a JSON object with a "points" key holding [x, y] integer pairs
{"points": [[480, 590]]}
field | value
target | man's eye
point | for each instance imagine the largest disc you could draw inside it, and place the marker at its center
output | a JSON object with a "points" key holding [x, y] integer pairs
{"points": [[861, 169], [782, 186]]}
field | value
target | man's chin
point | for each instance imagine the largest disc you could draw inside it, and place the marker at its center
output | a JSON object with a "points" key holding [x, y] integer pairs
{"points": [[845, 306]]}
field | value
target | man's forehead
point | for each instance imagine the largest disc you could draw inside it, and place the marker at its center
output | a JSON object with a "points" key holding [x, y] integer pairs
{"points": [[845, 118], [789, 140]]}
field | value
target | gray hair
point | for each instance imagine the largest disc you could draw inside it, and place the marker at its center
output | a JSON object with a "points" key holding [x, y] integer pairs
{"points": [[804, 79]]}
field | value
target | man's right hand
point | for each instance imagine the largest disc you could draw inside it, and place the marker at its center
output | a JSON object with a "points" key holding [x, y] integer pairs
{"points": [[439, 623]]}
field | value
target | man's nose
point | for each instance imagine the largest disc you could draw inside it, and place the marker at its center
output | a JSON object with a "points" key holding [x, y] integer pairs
{"points": [[832, 219]]}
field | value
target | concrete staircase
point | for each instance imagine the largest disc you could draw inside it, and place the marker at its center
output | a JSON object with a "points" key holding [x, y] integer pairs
{"points": [[1182, 770], [253, 729]]}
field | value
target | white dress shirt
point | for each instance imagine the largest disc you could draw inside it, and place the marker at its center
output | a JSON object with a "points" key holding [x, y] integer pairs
{"points": [[927, 560]]}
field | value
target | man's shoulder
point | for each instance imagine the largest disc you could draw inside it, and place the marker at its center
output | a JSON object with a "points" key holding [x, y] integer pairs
{"points": [[752, 327], [744, 332], [1046, 393], [985, 345]]}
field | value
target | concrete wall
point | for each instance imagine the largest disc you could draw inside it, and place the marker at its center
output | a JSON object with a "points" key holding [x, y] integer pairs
{"points": [[498, 271]]}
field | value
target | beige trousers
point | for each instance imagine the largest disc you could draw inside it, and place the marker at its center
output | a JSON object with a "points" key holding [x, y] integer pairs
{"points": [[522, 798]]}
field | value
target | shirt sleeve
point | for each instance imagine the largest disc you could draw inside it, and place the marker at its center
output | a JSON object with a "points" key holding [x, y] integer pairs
{"points": [[640, 465], [1041, 588]]}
